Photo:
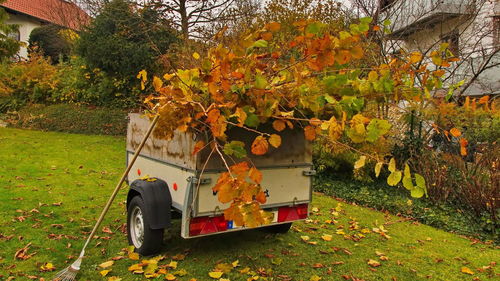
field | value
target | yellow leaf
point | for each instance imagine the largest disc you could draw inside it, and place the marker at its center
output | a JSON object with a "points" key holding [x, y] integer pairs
{"points": [[455, 132], [467, 270], [168, 76], [224, 279], [133, 256], [255, 175], [106, 264], [104, 272], [360, 163], [392, 165], [135, 267], [315, 278], [157, 83], [196, 56], [326, 237], [215, 274], [378, 167], [172, 264], [394, 178], [143, 75], [235, 263], [114, 278], [275, 140], [415, 57], [373, 263], [305, 238], [47, 267]]}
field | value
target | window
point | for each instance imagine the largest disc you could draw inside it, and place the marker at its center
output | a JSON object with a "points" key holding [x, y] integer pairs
{"points": [[452, 39]]}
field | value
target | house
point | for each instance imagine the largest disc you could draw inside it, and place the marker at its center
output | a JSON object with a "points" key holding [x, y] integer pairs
{"points": [[30, 14], [470, 27]]}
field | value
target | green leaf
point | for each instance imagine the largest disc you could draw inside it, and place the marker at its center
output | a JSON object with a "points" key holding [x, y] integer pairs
{"points": [[387, 22], [407, 172], [392, 165], [260, 81], [366, 20], [252, 120], [377, 128], [420, 181], [394, 178], [260, 44], [235, 148], [330, 99], [417, 192], [314, 28], [407, 183], [378, 167]]}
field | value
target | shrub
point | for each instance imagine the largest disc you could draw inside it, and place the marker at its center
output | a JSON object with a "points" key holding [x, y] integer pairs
{"points": [[51, 42], [8, 46], [73, 119]]}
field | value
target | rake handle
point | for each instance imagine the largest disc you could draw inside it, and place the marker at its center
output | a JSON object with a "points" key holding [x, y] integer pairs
{"points": [[119, 185]]}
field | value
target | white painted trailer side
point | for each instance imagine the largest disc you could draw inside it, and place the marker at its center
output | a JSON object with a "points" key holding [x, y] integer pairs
{"points": [[286, 177]]}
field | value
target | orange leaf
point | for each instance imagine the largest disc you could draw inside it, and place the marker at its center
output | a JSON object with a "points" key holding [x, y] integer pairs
{"points": [[467, 270], [275, 140], [455, 132], [463, 146], [273, 26], [266, 36], [260, 146], [310, 133], [240, 169], [279, 125], [198, 146], [255, 175], [242, 116], [357, 52], [261, 197], [484, 100]]}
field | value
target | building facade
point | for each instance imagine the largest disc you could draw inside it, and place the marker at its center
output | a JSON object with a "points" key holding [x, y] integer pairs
{"points": [[470, 27], [30, 14]]}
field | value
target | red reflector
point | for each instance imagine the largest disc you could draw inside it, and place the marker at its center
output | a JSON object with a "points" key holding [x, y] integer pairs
{"points": [[294, 213], [175, 186], [206, 225], [139, 172]]}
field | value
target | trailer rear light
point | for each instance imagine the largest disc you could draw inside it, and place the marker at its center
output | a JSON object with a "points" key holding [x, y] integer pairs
{"points": [[293, 213], [206, 225]]}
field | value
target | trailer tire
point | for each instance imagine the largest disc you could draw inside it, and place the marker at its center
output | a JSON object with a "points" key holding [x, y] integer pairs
{"points": [[278, 228], [147, 241]]}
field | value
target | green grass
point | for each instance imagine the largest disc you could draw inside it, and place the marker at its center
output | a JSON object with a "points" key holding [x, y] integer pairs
{"points": [[38, 169]]}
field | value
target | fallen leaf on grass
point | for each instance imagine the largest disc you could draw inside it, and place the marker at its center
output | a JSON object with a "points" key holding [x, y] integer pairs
{"points": [[47, 267], [106, 264], [326, 237], [104, 272], [373, 263], [315, 278], [170, 276], [22, 254], [215, 274], [114, 278], [467, 270]]}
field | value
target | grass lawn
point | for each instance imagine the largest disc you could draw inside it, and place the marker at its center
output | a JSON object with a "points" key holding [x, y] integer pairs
{"points": [[53, 186]]}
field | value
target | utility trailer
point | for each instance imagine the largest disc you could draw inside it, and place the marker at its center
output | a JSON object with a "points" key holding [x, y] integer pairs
{"points": [[168, 181]]}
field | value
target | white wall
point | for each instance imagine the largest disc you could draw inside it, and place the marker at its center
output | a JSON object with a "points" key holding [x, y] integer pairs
{"points": [[26, 25]]}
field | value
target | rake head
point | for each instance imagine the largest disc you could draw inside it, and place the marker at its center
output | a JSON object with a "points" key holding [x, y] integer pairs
{"points": [[69, 273]]}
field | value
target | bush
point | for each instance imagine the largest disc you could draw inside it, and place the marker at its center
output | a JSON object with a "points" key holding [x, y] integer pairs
{"points": [[33, 81], [72, 119], [51, 42]]}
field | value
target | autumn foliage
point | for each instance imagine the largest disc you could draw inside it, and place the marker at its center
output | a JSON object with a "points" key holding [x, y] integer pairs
{"points": [[315, 82]]}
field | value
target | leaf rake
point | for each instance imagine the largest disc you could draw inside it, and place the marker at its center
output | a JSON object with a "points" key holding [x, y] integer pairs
{"points": [[70, 272]]}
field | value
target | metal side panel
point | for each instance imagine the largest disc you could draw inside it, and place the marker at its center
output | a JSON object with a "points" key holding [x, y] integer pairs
{"points": [[282, 185], [176, 178]]}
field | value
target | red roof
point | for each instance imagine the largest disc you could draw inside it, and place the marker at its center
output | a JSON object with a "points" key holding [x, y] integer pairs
{"points": [[60, 12]]}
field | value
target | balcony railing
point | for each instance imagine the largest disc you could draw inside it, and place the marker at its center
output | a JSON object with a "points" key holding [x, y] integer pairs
{"points": [[409, 16]]}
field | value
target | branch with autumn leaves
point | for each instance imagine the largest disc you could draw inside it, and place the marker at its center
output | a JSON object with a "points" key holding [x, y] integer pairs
{"points": [[314, 82]]}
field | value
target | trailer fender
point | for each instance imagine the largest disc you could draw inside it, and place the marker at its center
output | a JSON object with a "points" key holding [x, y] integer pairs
{"points": [[157, 200]]}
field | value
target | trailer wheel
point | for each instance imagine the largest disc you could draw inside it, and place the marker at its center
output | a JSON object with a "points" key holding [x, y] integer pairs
{"points": [[146, 241], [278, 228]]}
